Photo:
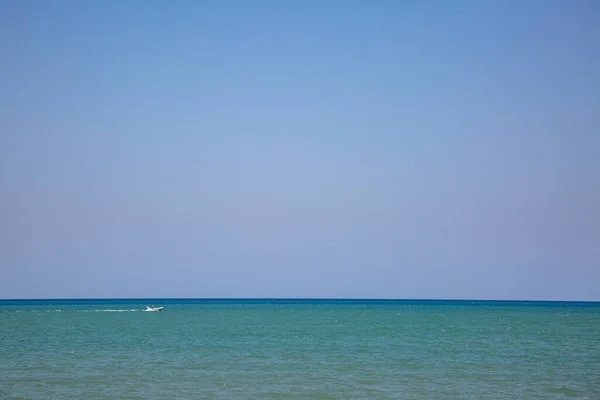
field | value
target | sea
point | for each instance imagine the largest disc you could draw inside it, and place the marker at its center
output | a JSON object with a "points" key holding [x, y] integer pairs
{"points": [[298, 349]]}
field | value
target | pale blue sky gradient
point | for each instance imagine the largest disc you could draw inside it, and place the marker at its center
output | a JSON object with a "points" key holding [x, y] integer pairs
{"points": [[385, 149]]}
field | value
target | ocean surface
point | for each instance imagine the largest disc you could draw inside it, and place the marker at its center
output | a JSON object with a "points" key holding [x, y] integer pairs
{"points": [[298, 349]]}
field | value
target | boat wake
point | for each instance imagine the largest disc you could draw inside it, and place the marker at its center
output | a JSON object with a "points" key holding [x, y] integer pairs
{"points": [[108, 310], [92, 310]]}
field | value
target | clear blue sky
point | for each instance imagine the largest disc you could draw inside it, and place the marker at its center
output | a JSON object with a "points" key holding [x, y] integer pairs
{"points": [[396, 149]]}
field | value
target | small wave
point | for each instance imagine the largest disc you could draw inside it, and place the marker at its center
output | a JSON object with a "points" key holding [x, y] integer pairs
{"points": [[34, 311], [562, 390]]}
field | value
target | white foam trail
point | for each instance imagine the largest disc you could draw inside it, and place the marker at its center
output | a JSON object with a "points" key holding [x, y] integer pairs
{"points": [[108, 310]]}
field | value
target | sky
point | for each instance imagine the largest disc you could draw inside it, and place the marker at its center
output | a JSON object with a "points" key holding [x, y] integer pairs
{"points": [[329, 149]]}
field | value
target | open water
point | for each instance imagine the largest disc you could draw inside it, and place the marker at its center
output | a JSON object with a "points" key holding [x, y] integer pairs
{"points": [[298, 349]]}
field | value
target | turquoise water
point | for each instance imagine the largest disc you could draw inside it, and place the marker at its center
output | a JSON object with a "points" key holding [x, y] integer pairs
{"points": [[278, 349]]}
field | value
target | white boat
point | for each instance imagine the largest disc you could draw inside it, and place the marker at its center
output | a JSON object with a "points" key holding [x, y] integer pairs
{"points": [[154, 308]]}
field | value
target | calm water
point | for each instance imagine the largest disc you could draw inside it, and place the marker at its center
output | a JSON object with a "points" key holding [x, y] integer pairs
{"points": [[199, 349]]}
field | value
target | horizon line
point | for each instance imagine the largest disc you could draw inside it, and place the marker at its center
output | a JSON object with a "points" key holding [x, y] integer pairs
{"points": [[374, 299]]}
